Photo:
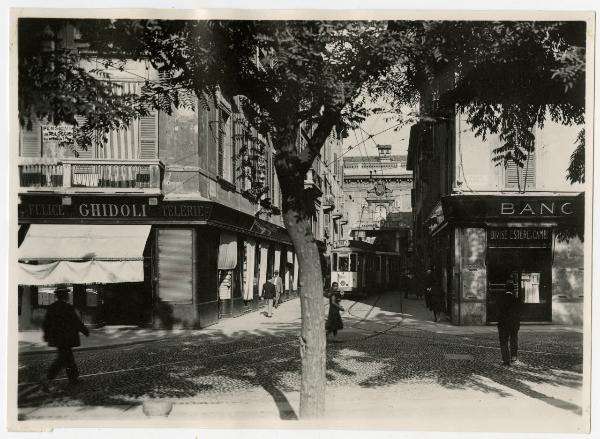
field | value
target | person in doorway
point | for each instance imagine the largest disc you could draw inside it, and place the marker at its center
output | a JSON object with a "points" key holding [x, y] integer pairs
{"points": [[278, 287], [61, 328], [268, 293], [334, 319], [509, 323]]}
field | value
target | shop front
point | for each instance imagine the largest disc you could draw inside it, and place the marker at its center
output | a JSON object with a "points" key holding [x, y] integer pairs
{"points": [[478, 242], [142, 260]]}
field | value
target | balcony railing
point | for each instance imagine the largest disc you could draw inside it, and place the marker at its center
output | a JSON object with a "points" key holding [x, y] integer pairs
{"points": [[328, 202], [90, 175], [313, 181]]}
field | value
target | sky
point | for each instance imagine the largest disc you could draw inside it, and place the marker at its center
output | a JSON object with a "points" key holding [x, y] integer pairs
{"points": [[385, 131]]}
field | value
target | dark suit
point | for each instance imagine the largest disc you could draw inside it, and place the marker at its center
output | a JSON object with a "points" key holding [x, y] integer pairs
{"points": [[61, 330], [509, 323]]}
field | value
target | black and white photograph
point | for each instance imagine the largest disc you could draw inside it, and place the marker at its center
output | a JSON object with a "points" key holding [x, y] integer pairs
{"points": [[249, 219]]}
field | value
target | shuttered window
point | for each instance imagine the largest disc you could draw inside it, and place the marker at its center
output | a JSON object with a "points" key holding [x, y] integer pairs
{"points": [[175, 265], [149, 136], [520, 178], [31, 141], [225, 145], [90, 151]]}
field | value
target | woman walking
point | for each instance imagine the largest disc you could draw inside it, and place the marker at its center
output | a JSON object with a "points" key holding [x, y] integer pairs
{"points": [[334, 319]]}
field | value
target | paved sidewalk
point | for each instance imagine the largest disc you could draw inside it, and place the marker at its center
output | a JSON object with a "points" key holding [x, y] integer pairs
{"points": [[391, 309], [112, 336], [395, 367]]}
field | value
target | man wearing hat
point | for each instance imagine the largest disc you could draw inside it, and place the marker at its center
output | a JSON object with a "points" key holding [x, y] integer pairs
{"points": [[61, 330], [509, 323]]}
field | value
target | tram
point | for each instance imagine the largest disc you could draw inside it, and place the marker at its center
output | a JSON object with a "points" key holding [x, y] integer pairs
{"points": [[360, 269]]}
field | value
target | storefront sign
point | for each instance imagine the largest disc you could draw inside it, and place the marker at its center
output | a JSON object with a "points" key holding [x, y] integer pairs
{"points": [[105, 210], [102, 207], [517, 236], [537, 208], [146, 210], [560, 209]]}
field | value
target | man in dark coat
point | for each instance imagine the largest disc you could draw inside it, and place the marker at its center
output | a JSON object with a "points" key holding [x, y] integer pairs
{"points": [[268, 292], [61, 330], [509, 323]]}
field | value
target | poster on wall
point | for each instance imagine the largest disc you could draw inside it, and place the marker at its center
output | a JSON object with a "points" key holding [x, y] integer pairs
{"points": [[474, 246]]}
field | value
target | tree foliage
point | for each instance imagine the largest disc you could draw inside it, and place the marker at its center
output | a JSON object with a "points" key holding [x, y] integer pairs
{"points": [[507, 77]]}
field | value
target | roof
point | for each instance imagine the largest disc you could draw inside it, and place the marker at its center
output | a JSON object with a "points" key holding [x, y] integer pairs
{"points": [[373, 158]]}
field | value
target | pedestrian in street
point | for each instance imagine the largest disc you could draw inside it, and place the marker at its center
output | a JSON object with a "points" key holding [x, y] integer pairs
{"points": [[509, 323], [334, 319], [61, 328], [428, 287], [268, 293], [278, 287], [436, 300]]}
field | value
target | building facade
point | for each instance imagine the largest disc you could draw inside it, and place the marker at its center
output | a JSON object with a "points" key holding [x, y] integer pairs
{"points": [[378, 201], [478, 224], [160, 225]]}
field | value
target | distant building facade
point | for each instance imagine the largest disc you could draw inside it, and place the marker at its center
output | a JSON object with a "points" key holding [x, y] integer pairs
{"points": [[378, 201]]}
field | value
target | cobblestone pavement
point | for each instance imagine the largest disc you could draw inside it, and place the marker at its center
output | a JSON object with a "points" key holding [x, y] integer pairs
{"points": [[381, 347]]}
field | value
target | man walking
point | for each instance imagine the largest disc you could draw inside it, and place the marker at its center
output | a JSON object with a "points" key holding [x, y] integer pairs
{"points": [[268, 292], [278, 287], [509, 323], [61, 330]]}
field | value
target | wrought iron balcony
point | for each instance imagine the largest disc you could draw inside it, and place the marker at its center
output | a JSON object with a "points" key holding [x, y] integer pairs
{"points": [[41, 174]]}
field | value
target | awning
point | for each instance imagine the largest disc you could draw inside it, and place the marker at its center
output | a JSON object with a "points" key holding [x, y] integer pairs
{"points": [[79, 242], [82, 254], [84, 272]]}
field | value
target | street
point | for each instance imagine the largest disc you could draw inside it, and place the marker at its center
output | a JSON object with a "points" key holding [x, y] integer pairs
{"points": [[392, 357]]}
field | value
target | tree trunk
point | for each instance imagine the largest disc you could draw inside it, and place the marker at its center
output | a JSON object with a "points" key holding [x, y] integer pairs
{"points": [[312, 338]]}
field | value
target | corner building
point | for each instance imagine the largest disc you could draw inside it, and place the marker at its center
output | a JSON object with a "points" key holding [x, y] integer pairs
{"points": [[478, 225], [159, 226]]}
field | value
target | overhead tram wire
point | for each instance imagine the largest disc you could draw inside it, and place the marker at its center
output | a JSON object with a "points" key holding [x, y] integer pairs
{"points": [[350, 148]]}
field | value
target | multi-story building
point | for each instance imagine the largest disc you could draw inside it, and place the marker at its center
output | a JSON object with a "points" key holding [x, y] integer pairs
{"points": [[478, 223], [377, 190], [158, 225], [332, 213]]}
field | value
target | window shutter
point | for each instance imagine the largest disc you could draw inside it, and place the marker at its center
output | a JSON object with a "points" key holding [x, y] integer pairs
{"points": [[523, 178], [149, 136], [31, 141], [88, 153]]}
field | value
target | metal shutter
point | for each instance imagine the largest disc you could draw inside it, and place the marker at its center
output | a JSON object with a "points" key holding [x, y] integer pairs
{"points": [[175, 265]]}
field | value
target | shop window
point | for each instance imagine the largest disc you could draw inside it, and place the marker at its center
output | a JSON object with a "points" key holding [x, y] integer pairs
{"points": [[530, 287], [46, 296], [91, 298]]}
